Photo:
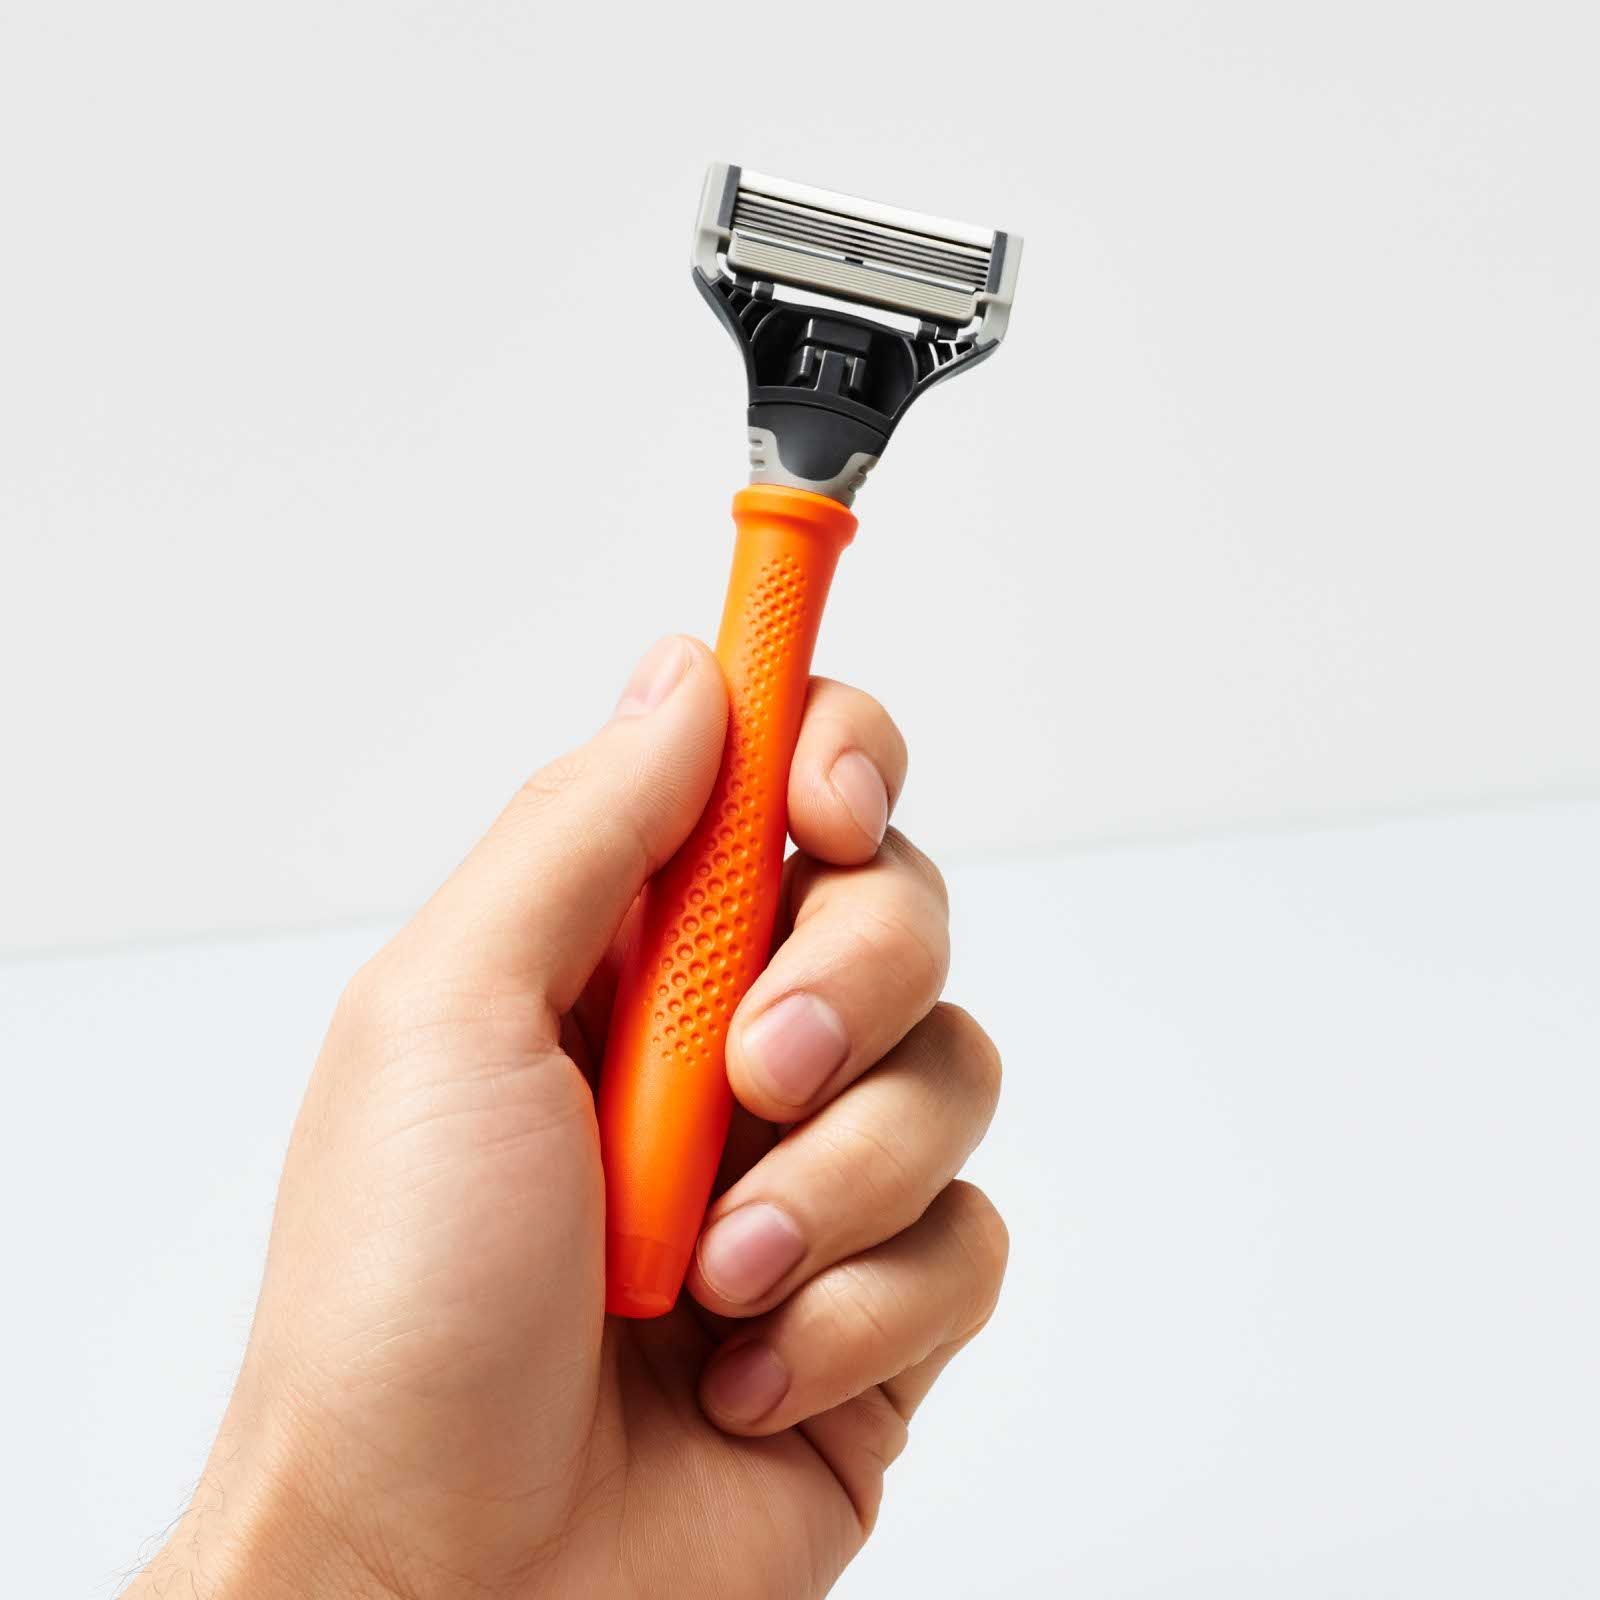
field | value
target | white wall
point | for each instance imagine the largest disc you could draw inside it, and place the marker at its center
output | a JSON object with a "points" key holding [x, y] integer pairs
{"points": [[358, 424]]}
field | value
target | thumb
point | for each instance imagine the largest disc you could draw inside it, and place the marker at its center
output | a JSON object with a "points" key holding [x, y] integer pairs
{"points": [[541, 896]]}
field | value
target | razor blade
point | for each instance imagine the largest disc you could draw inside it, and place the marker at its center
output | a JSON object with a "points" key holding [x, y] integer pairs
{"points": [[845, 311]]}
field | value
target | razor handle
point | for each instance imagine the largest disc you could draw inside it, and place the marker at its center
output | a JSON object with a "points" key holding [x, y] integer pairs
{"points": [[708, 915]]}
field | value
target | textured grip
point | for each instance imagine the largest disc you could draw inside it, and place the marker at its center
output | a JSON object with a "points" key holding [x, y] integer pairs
{"points": [[708, 914]]}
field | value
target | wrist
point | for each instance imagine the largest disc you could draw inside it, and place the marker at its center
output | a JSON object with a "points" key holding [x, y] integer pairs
{"points": [[212, 1558], [253, 1534]]}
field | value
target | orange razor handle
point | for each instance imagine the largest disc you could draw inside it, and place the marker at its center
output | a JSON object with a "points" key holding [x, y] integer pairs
{"points": [[708, 914]]}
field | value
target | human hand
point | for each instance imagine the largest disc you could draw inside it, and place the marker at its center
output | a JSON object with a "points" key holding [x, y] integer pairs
{"points": [[433, 1402]]}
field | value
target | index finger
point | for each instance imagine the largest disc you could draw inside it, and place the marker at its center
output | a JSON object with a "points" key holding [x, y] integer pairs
{"points": [[848, 769]]}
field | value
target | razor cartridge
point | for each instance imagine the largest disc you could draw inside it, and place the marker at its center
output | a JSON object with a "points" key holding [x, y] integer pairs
{"points": [[792, 271]]}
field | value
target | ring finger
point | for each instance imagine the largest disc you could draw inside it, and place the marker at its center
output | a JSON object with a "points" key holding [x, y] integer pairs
{"points": [[863, 1321]]}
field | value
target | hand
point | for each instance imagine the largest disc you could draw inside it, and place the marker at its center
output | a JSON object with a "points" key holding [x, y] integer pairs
{"points": [[432, 1402]]}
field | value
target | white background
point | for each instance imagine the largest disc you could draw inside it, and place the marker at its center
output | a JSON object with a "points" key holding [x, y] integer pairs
{"points": [[359, 426]]}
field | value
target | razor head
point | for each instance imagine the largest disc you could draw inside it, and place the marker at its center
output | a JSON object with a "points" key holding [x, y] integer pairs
{"points": [[950, 273], [845, 310]]}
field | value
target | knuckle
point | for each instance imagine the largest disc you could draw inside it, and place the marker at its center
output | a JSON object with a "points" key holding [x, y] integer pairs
{"points": [[880, 1436], [544, 788], [874, 1171], [899, 753], [883, 736], [363, 991], [802, 874], [367, 998], [884, 1430], [970, 1051], [846, 701], [859, 1305], [985, 1242], [398, 1002], [884, 937], [871, 706], [920, 864], [566, 804], [915, 949]]}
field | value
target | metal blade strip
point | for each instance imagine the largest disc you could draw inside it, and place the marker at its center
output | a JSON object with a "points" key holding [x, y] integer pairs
{"points": [[952, 261], [813, 269]]}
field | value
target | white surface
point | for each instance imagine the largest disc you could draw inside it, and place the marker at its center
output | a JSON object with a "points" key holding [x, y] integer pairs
{"points": [[1297, 1149], [330, 502]]}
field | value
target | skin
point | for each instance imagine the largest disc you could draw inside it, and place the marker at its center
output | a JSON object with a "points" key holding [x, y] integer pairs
{"points": [[433, 1403]]}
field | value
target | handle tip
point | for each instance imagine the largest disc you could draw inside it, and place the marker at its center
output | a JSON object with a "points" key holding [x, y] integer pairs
{"points": [[643, 1276]]}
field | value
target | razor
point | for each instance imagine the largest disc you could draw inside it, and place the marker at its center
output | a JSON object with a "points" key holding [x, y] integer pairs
{"points": [[844, 311]]}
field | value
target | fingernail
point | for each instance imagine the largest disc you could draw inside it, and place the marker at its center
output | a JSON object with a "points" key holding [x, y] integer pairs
{"points": [[743, 1254], [745, 1383], [654, 678], [794, 1046], [860, 785]]}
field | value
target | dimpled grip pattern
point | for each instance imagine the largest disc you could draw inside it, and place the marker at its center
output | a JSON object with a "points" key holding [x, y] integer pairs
{"points": [[708, 914]]}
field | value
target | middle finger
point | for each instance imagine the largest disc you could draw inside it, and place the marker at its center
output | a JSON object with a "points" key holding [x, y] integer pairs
{"points": [[864, 963]]}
